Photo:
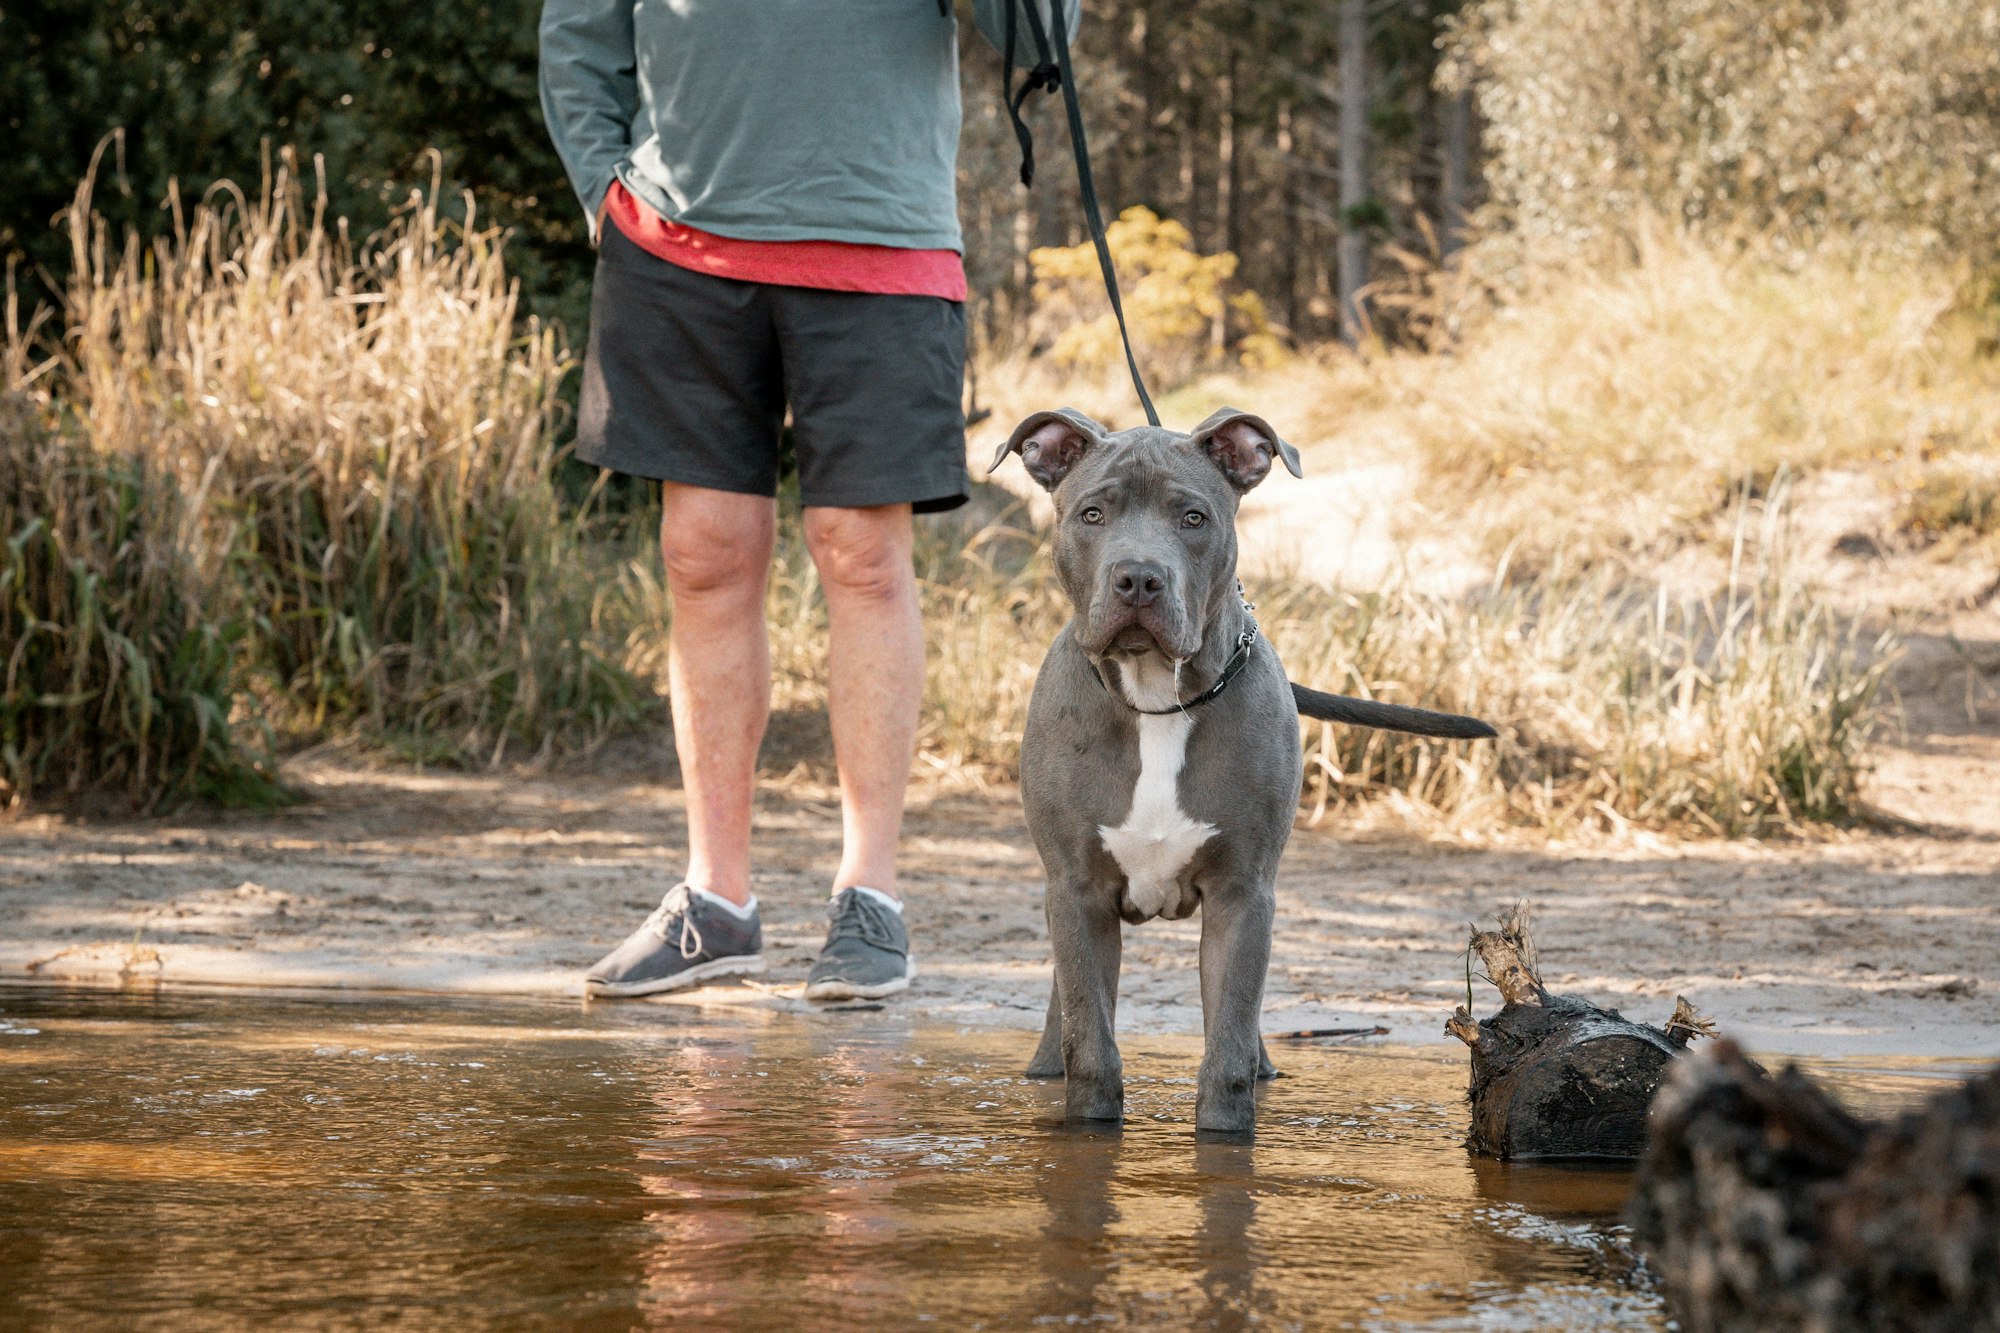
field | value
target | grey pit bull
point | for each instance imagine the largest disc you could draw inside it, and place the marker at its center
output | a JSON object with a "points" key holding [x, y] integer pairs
{"points": [[1160, 769]]}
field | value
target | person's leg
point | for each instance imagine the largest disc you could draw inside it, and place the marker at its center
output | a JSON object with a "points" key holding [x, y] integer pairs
{"points": [[874, 385], [717, 548], [683, 383], [875, 678]]}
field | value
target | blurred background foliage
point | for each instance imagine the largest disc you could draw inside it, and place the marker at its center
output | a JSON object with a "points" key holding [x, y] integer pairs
{"points": [[1217, 115], [1555, 124], [1781, 120], [1176, 303], [207, 90]]}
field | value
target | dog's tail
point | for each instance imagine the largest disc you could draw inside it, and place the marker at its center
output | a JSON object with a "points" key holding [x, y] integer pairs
{"points": [[1389, 717]]}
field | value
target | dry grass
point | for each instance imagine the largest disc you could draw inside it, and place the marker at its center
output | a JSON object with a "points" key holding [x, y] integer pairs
{"points": [[1747, 712], [350, 445], [1635, 402], [1953, 503], [368, 430], [1574, 442]]}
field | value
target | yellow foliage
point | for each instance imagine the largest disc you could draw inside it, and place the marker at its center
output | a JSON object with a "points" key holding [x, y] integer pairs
{"points": [[1175, 301], [1258, 349]]}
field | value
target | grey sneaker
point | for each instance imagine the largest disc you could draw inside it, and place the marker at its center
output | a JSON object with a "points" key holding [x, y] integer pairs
{"points": [[685, 942], [866, 954]]}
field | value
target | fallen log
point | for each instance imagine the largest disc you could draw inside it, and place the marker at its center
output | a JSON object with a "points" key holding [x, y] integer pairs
{"points": [[1763, 1204], [1555, 1076]]}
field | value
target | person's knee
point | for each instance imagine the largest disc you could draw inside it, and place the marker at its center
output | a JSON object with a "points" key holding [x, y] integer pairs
{"points": [[862, 552], [709, 550]]}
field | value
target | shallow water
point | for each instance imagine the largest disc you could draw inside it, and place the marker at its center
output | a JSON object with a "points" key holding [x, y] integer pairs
{"points": [[238, 1160]]}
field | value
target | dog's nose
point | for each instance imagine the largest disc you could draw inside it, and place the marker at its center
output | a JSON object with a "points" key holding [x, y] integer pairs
{"points": [[1138, 582]]}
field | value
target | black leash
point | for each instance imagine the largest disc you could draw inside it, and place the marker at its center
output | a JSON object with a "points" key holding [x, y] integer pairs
{"points": [[1055, 71], [1045, 77]]}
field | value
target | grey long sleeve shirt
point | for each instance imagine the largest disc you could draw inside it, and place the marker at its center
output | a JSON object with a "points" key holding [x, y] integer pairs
{"points": [[769, 120]]}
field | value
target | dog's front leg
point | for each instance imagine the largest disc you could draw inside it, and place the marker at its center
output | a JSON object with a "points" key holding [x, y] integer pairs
{"points": [[1235, 953], [1084, 933]]}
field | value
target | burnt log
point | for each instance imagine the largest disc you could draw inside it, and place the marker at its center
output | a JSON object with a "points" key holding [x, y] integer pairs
{"points": [[1762, 1203], [1555, 1076]]}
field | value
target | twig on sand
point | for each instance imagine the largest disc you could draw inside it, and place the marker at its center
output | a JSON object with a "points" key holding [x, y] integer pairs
{"points": [[1316, 1034]]}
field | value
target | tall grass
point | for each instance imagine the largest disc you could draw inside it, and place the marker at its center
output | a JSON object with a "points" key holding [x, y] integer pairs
{"points": [[1635, 401], [1749, 711], [1746, 712], [368, 428], [115, 673], [268, 477]]}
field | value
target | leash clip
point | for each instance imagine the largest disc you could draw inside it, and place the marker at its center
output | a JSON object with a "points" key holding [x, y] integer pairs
{"points": [[1249, 634]]}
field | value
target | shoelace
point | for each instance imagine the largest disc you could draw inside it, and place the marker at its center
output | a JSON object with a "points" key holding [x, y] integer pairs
{"points": [[678, 903], [863, 918]]}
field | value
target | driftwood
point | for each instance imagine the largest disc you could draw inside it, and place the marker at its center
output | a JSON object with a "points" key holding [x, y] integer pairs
{"points": [[1554, 1076], [1762, 1204]]}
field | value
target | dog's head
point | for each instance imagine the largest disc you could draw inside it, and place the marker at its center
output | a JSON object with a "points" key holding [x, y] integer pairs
{"points": [[1145, 537]]}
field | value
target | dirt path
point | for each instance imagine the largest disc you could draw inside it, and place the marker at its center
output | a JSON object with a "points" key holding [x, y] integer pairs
{"points": [[387, 878]]}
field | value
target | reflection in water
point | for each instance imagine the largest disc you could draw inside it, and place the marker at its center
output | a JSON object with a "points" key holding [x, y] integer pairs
{"points": [[1222, 1248], [1587, 1189], [1074, 1186], [254, 1159]]}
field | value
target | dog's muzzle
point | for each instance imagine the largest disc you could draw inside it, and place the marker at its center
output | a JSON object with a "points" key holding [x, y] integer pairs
{"points": [[1137, 611]]}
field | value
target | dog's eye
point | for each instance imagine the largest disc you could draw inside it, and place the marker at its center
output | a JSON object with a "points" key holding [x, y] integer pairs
{"points": [[1193, 518], [1092, 514]]}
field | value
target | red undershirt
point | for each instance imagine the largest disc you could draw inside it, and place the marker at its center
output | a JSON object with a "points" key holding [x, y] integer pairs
{"points": [[835, 266]]}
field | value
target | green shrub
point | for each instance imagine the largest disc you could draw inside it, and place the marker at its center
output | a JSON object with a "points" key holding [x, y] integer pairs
{"points": [[1875, 116], [201, 90], [114, 673]]}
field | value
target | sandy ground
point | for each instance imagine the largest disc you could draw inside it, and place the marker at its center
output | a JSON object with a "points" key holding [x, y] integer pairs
{"points": [[1865, 944], [1883, 942]]}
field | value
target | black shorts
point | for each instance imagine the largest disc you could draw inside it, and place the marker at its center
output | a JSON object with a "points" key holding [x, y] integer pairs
{"points": [[687, 376]]}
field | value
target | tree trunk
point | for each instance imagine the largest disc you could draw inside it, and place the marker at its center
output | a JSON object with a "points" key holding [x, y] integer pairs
{"points": [[1189, 115], [1232, 163], [1353, 256], [1762, 1204], [1288, 204], [1204, 124], [1229, 184], [1554, 1076], [1146, 80], [1457, 171]]}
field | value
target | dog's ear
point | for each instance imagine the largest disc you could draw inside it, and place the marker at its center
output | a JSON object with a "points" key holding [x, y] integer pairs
{"points": [[1050, 443], [1243, 447]]}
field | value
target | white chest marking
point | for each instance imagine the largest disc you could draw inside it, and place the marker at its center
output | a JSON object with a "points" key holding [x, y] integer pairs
{"points": [[1158, 838]]}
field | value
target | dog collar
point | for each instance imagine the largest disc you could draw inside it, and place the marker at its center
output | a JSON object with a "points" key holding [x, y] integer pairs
{"points": [[1230, 669]]}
